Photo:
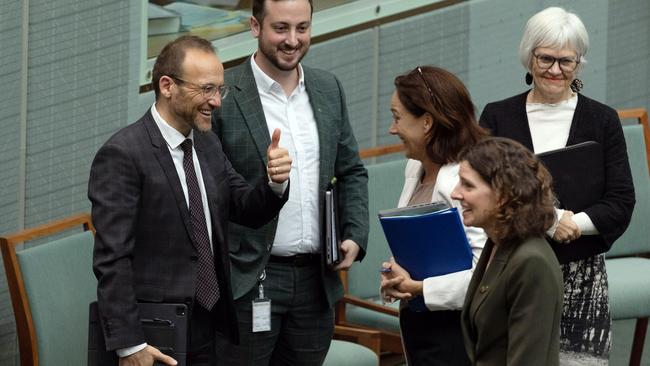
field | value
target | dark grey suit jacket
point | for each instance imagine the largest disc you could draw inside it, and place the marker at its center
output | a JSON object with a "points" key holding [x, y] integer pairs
{"points": [[144, 248], [512, 310], [242, 128], [592, 121]]}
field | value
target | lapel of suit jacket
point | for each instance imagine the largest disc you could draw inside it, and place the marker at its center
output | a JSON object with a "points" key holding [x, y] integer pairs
{"points": [[412, 177], [519, 129], [327, 131], [577, 122], [161, 151], [482, 289], [248, 101]]}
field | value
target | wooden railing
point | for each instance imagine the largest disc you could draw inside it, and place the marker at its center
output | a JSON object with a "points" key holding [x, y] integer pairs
{"points": [[640, 114], [376, 151]]}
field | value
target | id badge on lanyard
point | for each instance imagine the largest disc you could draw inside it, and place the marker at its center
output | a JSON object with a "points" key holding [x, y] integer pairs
{"points": [[261, 309]]}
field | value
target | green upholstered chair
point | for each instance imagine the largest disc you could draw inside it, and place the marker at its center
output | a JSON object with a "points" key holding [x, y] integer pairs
{"points": [[343, 353], [361, 306], [628, 272], [51, 285]]}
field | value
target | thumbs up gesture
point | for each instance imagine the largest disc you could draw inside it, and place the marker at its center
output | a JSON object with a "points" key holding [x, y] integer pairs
{"points": [[279, 160]]}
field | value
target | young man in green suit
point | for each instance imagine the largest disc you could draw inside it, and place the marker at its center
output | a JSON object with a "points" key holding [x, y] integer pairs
{"points": [[272, 90]]}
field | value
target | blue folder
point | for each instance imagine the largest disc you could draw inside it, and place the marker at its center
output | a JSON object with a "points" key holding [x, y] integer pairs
{"points": [[427, 245]]}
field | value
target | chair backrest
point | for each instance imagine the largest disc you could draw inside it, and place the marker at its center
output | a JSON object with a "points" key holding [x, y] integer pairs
{"points": [[636, 238], [385, 182], [51, 285], [641, 117]]}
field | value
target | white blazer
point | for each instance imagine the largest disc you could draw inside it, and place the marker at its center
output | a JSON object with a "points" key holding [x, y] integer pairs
{"points": [[446, 292]]}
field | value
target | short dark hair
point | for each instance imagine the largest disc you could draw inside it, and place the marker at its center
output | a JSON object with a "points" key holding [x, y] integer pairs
{"points": [[523, 185], [170, 60], [433, 90], [259, 10]]}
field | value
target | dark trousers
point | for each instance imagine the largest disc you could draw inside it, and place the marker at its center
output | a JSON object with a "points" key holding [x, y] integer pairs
{"points": [[202, 350], [433, 338], [302, 324]]}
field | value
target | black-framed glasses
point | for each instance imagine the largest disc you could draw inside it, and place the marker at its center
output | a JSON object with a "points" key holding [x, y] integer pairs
{"points": [[545, 62], [425, 83], [208, 91]]}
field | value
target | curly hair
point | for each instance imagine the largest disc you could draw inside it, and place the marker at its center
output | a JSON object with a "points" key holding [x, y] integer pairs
{"points": [[433, 90], [523, 186]]}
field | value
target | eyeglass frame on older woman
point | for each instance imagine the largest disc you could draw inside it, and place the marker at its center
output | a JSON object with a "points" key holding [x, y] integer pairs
{"points": [[560, 60], [208, 91]]}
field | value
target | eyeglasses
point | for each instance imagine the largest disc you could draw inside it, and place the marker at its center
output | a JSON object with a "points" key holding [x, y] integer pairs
{"points": [[426, 84], [208, 91], [545, 62]]}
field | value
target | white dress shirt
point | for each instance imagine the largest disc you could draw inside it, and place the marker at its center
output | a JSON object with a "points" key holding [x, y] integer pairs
{"points": [[173, 139], [298, 228], [550, 125]]}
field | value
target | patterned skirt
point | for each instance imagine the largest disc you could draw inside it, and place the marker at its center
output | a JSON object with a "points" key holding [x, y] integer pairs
{"points": [[585, 328]]}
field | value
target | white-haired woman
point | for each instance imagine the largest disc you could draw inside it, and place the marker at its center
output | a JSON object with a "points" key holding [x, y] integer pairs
{"points": [[553, 115]]}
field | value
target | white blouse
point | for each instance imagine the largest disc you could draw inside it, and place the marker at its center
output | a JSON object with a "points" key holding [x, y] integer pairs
{"points": [[550, 125]]}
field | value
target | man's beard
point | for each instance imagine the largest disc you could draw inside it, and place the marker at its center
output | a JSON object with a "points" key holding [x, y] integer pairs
{"points": [[272, 54]]}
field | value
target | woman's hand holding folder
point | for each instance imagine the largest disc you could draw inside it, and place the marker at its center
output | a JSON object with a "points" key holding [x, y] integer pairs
{"points": [[567, 230]]}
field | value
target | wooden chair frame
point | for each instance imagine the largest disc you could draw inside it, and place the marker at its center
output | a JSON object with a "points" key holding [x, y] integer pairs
{"points": [[641, 115], [366, 337], [641, 326], [374, 152], [388, 341], [27, 340]]}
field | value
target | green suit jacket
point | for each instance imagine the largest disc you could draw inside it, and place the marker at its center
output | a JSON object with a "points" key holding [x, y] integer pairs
{"points": [[242, 128], [512, 310]]}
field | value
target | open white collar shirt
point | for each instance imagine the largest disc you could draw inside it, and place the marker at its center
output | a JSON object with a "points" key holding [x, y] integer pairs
{"points": [[173, 139], [299, 220]]}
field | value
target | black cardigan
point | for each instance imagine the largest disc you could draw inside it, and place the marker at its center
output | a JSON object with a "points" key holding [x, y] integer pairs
{"points": [[592, 121]]}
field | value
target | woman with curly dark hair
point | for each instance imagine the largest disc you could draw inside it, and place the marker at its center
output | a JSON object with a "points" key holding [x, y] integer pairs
{"points": [[513, 304]]}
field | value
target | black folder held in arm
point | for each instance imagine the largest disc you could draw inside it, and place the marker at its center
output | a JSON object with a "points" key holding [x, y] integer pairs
{"points": [[165, 327], [427, 240], [578, 173], [332, 245]]}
